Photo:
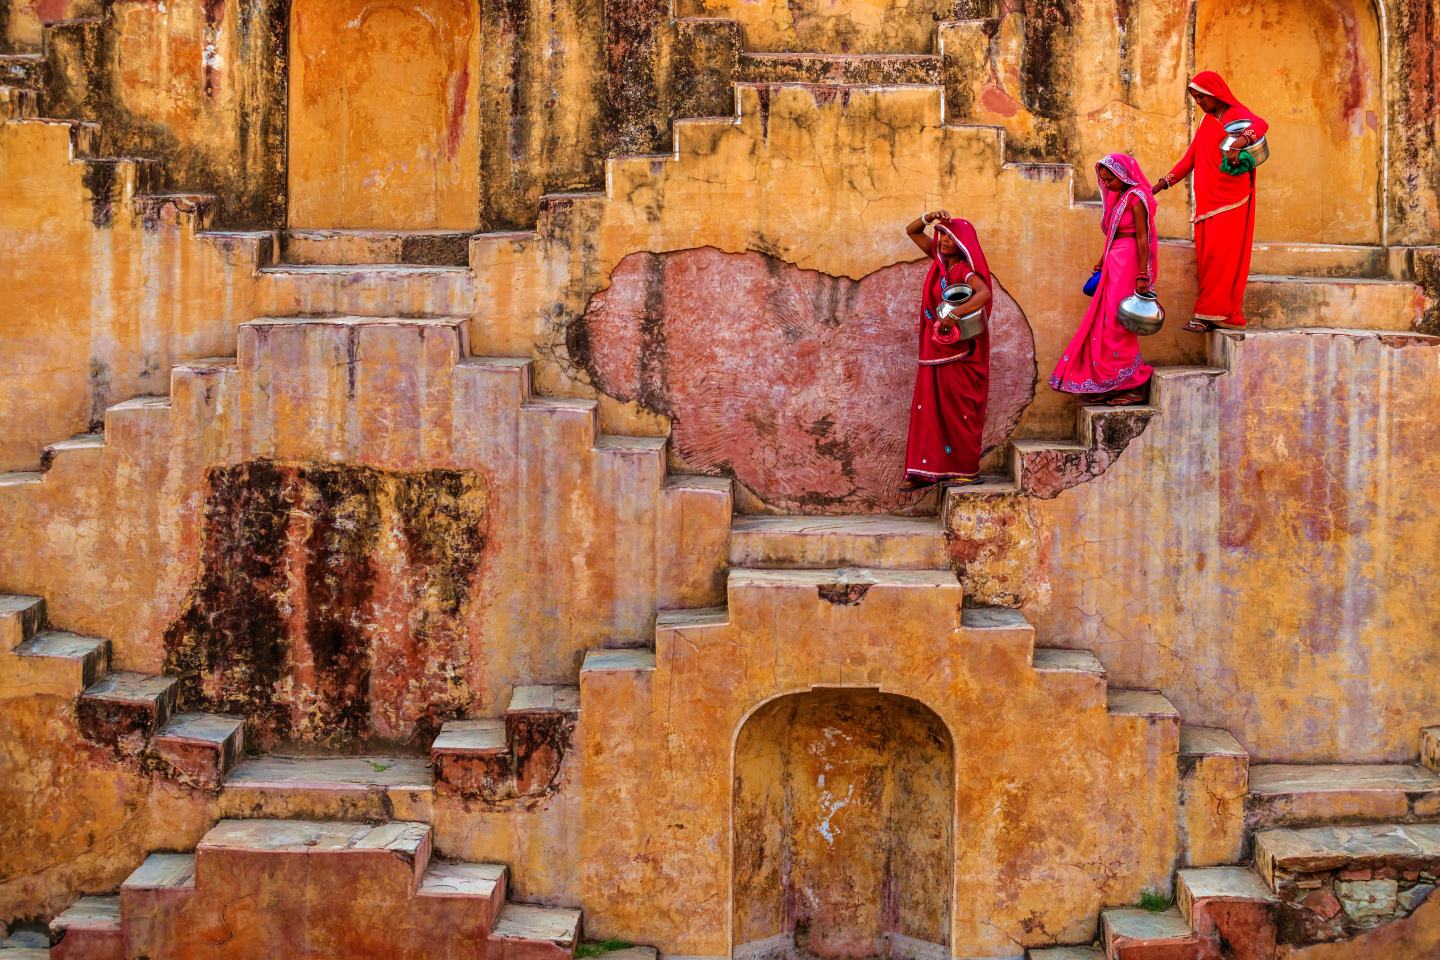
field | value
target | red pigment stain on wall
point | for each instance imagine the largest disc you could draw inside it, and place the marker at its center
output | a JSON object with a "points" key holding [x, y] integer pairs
{"points": [[795, 381]]}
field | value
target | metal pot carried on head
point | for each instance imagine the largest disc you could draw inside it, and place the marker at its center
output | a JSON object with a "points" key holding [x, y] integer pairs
{"points": [[952, 309], [1259, 150], [1141, 314]]}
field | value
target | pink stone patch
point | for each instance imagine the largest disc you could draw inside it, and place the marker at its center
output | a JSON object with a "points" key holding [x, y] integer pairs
{"points": [[795, 381]]}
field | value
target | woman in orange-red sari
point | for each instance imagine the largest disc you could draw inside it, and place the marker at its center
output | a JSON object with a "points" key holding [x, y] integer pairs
{"points": [[1224, 205], [952, 379]]}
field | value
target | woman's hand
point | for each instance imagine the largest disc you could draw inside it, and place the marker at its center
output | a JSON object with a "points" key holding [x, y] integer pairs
{"points": [[1233, 156], [934, 215], [1142, 284], [1096, 268], [944, 327], [1161, 185]]}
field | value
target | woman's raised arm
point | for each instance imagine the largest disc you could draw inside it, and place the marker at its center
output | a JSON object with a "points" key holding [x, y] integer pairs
{"points": [[916, 230]]}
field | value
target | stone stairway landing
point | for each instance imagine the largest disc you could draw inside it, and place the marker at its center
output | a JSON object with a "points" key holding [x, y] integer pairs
{"points": [[1286, 795], [878, 69], [443, 248], [898, 543], [368, 786]]}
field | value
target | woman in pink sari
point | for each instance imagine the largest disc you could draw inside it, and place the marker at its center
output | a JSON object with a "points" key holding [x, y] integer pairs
{"points": [[1103, 359], [1224, 205], [952, 381]]}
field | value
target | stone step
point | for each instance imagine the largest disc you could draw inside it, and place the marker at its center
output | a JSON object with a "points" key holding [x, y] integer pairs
{"points": [[377, 787], [1059, 660], [85, 658], [1430, 748], [81, 445], [439, 248], [83, 139], [776, 591], [372, 290], [23, 70], [472, 887], [123, 710], [621, 661], [1285, 856], [201, 748], [21, 478], [1318, 260], [1065, 953], [1147, 704], [527, 932], [1358, 303], [21, 617], [25, 944], [18, 103], [395, 845], [1227, 883], [877, 69], [1214, 779], [1133, 934], [89, 929], [1077, 676], [189, 211], [894, 543], [1288, 795]]}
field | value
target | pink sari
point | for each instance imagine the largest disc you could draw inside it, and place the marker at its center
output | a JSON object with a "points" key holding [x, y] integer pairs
{"points": [[1103, 356]]}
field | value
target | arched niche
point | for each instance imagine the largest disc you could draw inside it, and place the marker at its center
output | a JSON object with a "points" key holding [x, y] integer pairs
{"points": [[1313, 69], [383, 114], [843, 828]]}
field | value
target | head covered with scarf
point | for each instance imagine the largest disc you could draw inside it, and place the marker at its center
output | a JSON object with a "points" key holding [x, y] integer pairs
{"points": [[1212, 84], [1135, 184], [965, 237]]}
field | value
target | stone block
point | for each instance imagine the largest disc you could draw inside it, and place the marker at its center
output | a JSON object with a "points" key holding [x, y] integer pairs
{"points": [[1367, 899], [1214, 778]]}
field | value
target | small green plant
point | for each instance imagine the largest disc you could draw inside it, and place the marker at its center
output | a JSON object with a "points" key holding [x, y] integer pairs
{"points": [[594, 948], [379, 767], [1153, 902]]}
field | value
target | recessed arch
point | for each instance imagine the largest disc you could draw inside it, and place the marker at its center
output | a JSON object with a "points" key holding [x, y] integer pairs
{"points": [[842, 828], [384, 114]]}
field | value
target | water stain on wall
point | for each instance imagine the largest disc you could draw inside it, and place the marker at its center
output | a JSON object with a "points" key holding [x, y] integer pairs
{"points": [[332, 603]]}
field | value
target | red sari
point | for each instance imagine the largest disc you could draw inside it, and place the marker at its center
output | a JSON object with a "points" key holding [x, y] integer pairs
{"points": [[1224, 209], [952, 382]]}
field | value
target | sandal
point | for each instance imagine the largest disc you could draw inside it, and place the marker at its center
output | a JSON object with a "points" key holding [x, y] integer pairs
{"points": [[1197, 325], [964, 481], [1127, 398], [911, 485]]}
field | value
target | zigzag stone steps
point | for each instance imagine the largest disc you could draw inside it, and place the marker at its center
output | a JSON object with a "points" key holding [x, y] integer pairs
{"points": [[353, 886], [894, 543], [1287, 303], [374, 289], [516, 758], [124, 709], [200, 748]]}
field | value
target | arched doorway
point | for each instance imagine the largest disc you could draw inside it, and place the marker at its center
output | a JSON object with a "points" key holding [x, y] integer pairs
{"points": [[843, 828], [1313, 69], [383, 117]]}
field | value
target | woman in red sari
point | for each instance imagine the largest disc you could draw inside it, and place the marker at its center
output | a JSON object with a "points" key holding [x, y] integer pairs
{"points": [[952, 381], [1224, 205], [1103, 359]]}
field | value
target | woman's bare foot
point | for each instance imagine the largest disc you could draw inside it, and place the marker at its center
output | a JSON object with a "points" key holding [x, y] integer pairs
{"points": [[1125, 398], [911, 484], [1197, 325]]}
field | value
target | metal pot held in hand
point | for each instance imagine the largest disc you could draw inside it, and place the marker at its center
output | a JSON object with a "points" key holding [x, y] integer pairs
{"points": [[952, 308], [1259, 150], [1141, 314]]}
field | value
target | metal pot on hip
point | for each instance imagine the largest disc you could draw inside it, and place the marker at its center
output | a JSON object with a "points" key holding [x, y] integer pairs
{"points": [[1259, 150], [1141, 314], [952, 308]]}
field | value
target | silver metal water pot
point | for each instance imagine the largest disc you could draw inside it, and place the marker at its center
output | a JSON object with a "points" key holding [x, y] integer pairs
{"points": [[1259, 150], [1141, 314], [952, 308]]}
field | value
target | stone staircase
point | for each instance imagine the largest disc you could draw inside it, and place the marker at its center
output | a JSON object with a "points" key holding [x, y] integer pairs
{"points": [[345, 888], [136, 717]]}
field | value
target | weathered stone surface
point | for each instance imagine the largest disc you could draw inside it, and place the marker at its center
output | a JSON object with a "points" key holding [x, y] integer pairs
{"points": [[200, 748], [1368, 899], [1288, 795], [330, 787], [88, 930], [1214, 781], [828, 542], [668, 735], [803, 391], [526, 932], [1191, 526]]}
